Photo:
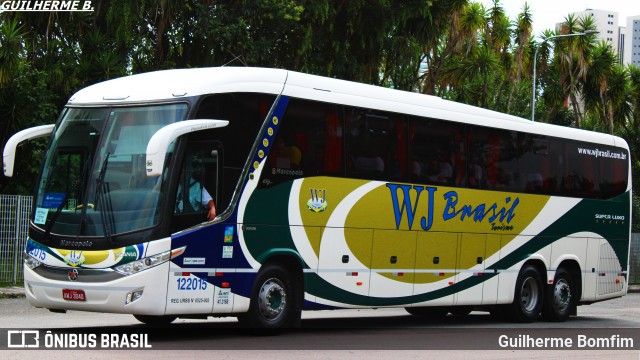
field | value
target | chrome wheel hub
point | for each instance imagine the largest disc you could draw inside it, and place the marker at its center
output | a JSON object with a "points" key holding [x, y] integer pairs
{"points": [[561, 295], [529, 294], [272, 299]]}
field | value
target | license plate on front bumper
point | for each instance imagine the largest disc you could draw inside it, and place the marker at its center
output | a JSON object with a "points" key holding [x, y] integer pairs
{"points": [[73, 295]]}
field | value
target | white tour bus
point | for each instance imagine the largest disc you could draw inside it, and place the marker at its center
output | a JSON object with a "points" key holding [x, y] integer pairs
{"points": [[329, 194]]}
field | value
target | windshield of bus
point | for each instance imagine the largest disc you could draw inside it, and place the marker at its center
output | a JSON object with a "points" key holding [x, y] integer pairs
{"points": [[94, 179]]}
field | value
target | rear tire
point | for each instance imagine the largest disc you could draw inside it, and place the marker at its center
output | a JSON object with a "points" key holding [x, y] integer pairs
{"points": [[155, 320], [528, 296], [560, 298], [273, 301]]}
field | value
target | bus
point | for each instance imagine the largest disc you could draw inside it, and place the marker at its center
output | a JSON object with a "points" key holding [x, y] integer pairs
{"points": [[328, 194]]}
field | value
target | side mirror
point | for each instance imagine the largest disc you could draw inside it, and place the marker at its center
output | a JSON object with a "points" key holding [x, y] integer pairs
{"points": [[9, 153], [160, 141]]}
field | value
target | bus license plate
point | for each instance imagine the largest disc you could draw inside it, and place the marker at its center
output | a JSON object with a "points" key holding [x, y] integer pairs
{"points": [[73, 295]]}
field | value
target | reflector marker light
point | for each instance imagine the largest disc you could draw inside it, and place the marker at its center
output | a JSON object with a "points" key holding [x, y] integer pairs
{"points": [[177, 252]]}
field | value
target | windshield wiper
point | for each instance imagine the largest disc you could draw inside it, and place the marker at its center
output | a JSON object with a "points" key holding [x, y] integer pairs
{"points": [[63, 204], [103, 201], [54, 218]]}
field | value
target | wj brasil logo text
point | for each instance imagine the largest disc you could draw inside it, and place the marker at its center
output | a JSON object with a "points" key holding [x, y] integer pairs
{"points": [[498, 216]]}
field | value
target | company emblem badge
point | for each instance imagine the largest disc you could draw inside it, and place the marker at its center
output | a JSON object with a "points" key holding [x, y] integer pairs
{"points": [[318, 201], [75, 258], [73, 274]]}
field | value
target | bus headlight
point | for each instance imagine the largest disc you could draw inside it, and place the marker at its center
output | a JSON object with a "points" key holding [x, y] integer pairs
{"points": [[137, 266], [31, 262]]}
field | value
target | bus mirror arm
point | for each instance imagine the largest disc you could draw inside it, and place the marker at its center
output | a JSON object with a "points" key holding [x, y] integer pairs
{"points": [[159, 143], [9, 153]]}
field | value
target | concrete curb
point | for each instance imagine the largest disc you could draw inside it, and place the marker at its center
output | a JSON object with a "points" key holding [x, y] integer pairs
{"points": [[11, 292]]}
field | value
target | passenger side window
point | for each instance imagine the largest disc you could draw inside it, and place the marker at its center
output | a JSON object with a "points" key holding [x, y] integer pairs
{"points": [[437, 153], [495, 152], [614, 173], [579, 176], [309, 142], [539, 163], [376, 145]]}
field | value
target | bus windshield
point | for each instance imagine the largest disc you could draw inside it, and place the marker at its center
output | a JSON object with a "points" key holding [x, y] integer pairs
{"points": [[94, 179]]}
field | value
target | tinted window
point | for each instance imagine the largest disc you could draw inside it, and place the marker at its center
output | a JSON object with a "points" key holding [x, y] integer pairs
{"points": [[594, 170], [540, 164], [614, 172], [494, 152], [437, 152], [376, 145], [309, 142], [580, 175], [245, 113]]}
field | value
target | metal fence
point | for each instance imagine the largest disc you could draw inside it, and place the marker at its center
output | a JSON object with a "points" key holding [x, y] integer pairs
{"points": [[14, 220], [634, 260]]}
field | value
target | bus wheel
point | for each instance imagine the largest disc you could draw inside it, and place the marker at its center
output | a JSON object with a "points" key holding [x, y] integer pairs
{"points": [[273, 303], [527, 301], [155, 320], [432, 313], [559, 298]]}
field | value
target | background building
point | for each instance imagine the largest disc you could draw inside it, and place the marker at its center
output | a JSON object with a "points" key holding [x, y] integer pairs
{"points": [[632, 41], [608, 29]]}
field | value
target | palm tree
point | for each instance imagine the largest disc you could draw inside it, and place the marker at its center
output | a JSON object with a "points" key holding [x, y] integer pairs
{"points": [[573, 54], [444, 37], [11, 49], [475, 69], [603, 90], [472, 21], [523, 29]]}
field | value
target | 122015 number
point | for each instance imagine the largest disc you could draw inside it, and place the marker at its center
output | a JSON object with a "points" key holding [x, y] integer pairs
{"points": [[191, 284]]}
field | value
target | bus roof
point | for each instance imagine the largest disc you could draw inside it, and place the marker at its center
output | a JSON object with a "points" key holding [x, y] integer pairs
{"points": [[180, 83]]}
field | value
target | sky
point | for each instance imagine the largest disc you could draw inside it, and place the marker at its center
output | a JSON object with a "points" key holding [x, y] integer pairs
{"points": [[546, 13]]}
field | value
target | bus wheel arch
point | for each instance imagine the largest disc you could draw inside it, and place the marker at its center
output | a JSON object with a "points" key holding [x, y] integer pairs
{"points": [[276, 295], [563, 295], [528, 293]]}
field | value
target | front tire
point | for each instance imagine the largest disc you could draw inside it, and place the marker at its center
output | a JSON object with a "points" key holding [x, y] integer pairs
{"points": [[560, 298], [528, 296], [273, 301]]}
